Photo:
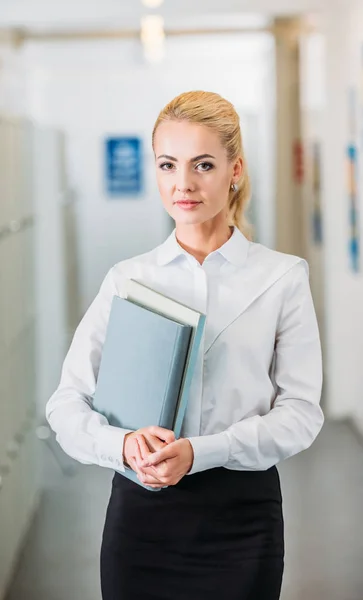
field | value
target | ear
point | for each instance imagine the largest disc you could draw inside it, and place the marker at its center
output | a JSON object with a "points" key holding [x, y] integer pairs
{"points": [[238, 169]]}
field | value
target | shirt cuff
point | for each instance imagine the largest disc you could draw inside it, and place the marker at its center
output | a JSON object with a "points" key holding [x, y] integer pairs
{"points": [[109, 447], [210, 451]]}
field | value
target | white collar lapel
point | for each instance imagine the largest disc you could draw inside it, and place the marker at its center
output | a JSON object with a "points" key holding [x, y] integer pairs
{"points": [[261, 270]]}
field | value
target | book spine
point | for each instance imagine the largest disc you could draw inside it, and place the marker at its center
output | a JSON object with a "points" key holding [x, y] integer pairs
{"points": [[130, 474], [177, 368], [188, 375]]}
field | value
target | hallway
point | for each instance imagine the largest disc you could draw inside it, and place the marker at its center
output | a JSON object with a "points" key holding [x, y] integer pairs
{"points": [[323, 496], [82, 87]]}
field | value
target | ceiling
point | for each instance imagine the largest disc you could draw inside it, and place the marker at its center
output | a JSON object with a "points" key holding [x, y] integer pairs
{"points": [[126, 14]]}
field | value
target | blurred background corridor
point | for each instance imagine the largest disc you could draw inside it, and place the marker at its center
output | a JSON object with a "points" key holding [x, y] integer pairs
{"points": [[81, 85]]}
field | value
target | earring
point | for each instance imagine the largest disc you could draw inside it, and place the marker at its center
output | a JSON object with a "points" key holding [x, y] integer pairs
{"points": [[234, 187]]}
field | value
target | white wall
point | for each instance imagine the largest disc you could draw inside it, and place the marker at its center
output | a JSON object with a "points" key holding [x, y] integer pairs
{"points": [[19, 447], [313, 103], [266, 200], [343, 288], [50, 268], [12, 79], [90, 89], [41, 190]]}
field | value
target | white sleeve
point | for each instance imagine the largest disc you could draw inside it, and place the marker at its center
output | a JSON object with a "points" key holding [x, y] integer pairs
{"points": [[295, 419], [83, 433]]}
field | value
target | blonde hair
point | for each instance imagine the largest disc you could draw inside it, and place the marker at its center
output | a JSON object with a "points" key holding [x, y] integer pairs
{"points": [[217, 113]]}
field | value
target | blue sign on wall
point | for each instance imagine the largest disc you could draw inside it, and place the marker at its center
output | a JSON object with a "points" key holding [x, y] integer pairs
{"points": [[124, 166]]}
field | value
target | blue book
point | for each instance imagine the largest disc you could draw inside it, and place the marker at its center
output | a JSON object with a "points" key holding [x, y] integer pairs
{"points": [[142, 366], [147, 362]]}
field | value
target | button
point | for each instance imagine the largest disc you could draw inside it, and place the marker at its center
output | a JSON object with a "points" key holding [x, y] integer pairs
{"points": [[103, 457], [110, 459], [118, 462]]}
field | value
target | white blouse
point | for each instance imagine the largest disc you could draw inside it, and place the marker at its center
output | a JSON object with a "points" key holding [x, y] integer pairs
{"points": [[256, 390]]}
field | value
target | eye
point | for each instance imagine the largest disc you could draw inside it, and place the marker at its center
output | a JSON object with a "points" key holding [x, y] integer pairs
{"points": [[208, 166], [164, 165]]}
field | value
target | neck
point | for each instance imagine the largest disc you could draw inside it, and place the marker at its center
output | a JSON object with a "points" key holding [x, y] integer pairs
{"points": [[202, 239]]}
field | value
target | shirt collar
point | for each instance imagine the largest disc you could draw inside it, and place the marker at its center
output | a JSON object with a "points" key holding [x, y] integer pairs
{"points": [[234, 250]]}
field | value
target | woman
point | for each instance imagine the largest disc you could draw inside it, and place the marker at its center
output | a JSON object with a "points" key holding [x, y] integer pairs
{"points": [[215, 529]]}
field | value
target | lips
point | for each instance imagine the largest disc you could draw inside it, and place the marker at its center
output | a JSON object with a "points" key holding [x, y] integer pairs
{"points": [[187, 204]]}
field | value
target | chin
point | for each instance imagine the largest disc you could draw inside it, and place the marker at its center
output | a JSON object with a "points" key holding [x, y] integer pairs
{"points": [[188, 219]]}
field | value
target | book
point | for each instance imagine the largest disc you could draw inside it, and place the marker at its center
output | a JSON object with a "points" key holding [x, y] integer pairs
{"points": [[147, 362], [142, 366]]}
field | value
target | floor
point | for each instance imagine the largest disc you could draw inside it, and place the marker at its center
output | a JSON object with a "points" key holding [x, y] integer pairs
{"points": [[323, 503]]}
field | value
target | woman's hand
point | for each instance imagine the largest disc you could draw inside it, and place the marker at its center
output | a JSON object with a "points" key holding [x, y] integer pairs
{"points": [[142, 443], [168, 465]]}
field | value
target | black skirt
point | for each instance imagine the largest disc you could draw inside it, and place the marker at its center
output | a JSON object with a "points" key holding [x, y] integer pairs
{"points": [[217, 534]]}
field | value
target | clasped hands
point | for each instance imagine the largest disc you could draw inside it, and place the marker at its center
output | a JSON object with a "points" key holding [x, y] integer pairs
{"points": [[157, 457]]}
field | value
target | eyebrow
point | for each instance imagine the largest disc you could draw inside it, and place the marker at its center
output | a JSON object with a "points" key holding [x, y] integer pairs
{"points": [[191, 160]]}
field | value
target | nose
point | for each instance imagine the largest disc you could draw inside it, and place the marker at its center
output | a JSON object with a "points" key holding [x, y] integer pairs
{"points": [[184, 182]]}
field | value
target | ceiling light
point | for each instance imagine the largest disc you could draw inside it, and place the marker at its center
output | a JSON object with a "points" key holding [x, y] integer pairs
{"points": [[152, 37], [152, 3]]}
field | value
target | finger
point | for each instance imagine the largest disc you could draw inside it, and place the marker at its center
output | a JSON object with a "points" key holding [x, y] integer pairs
{"points": [[154, 443], [156, 487], [133, 446], [135, 461], [133, 464], [143, 451], [166, 453], [148, 478], [164, 434], [150, 471], [148, 475], [138, 457], [145, 477]]}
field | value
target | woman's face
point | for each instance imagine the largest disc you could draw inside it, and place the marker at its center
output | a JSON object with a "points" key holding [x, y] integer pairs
{"points": [[192, 165]]}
